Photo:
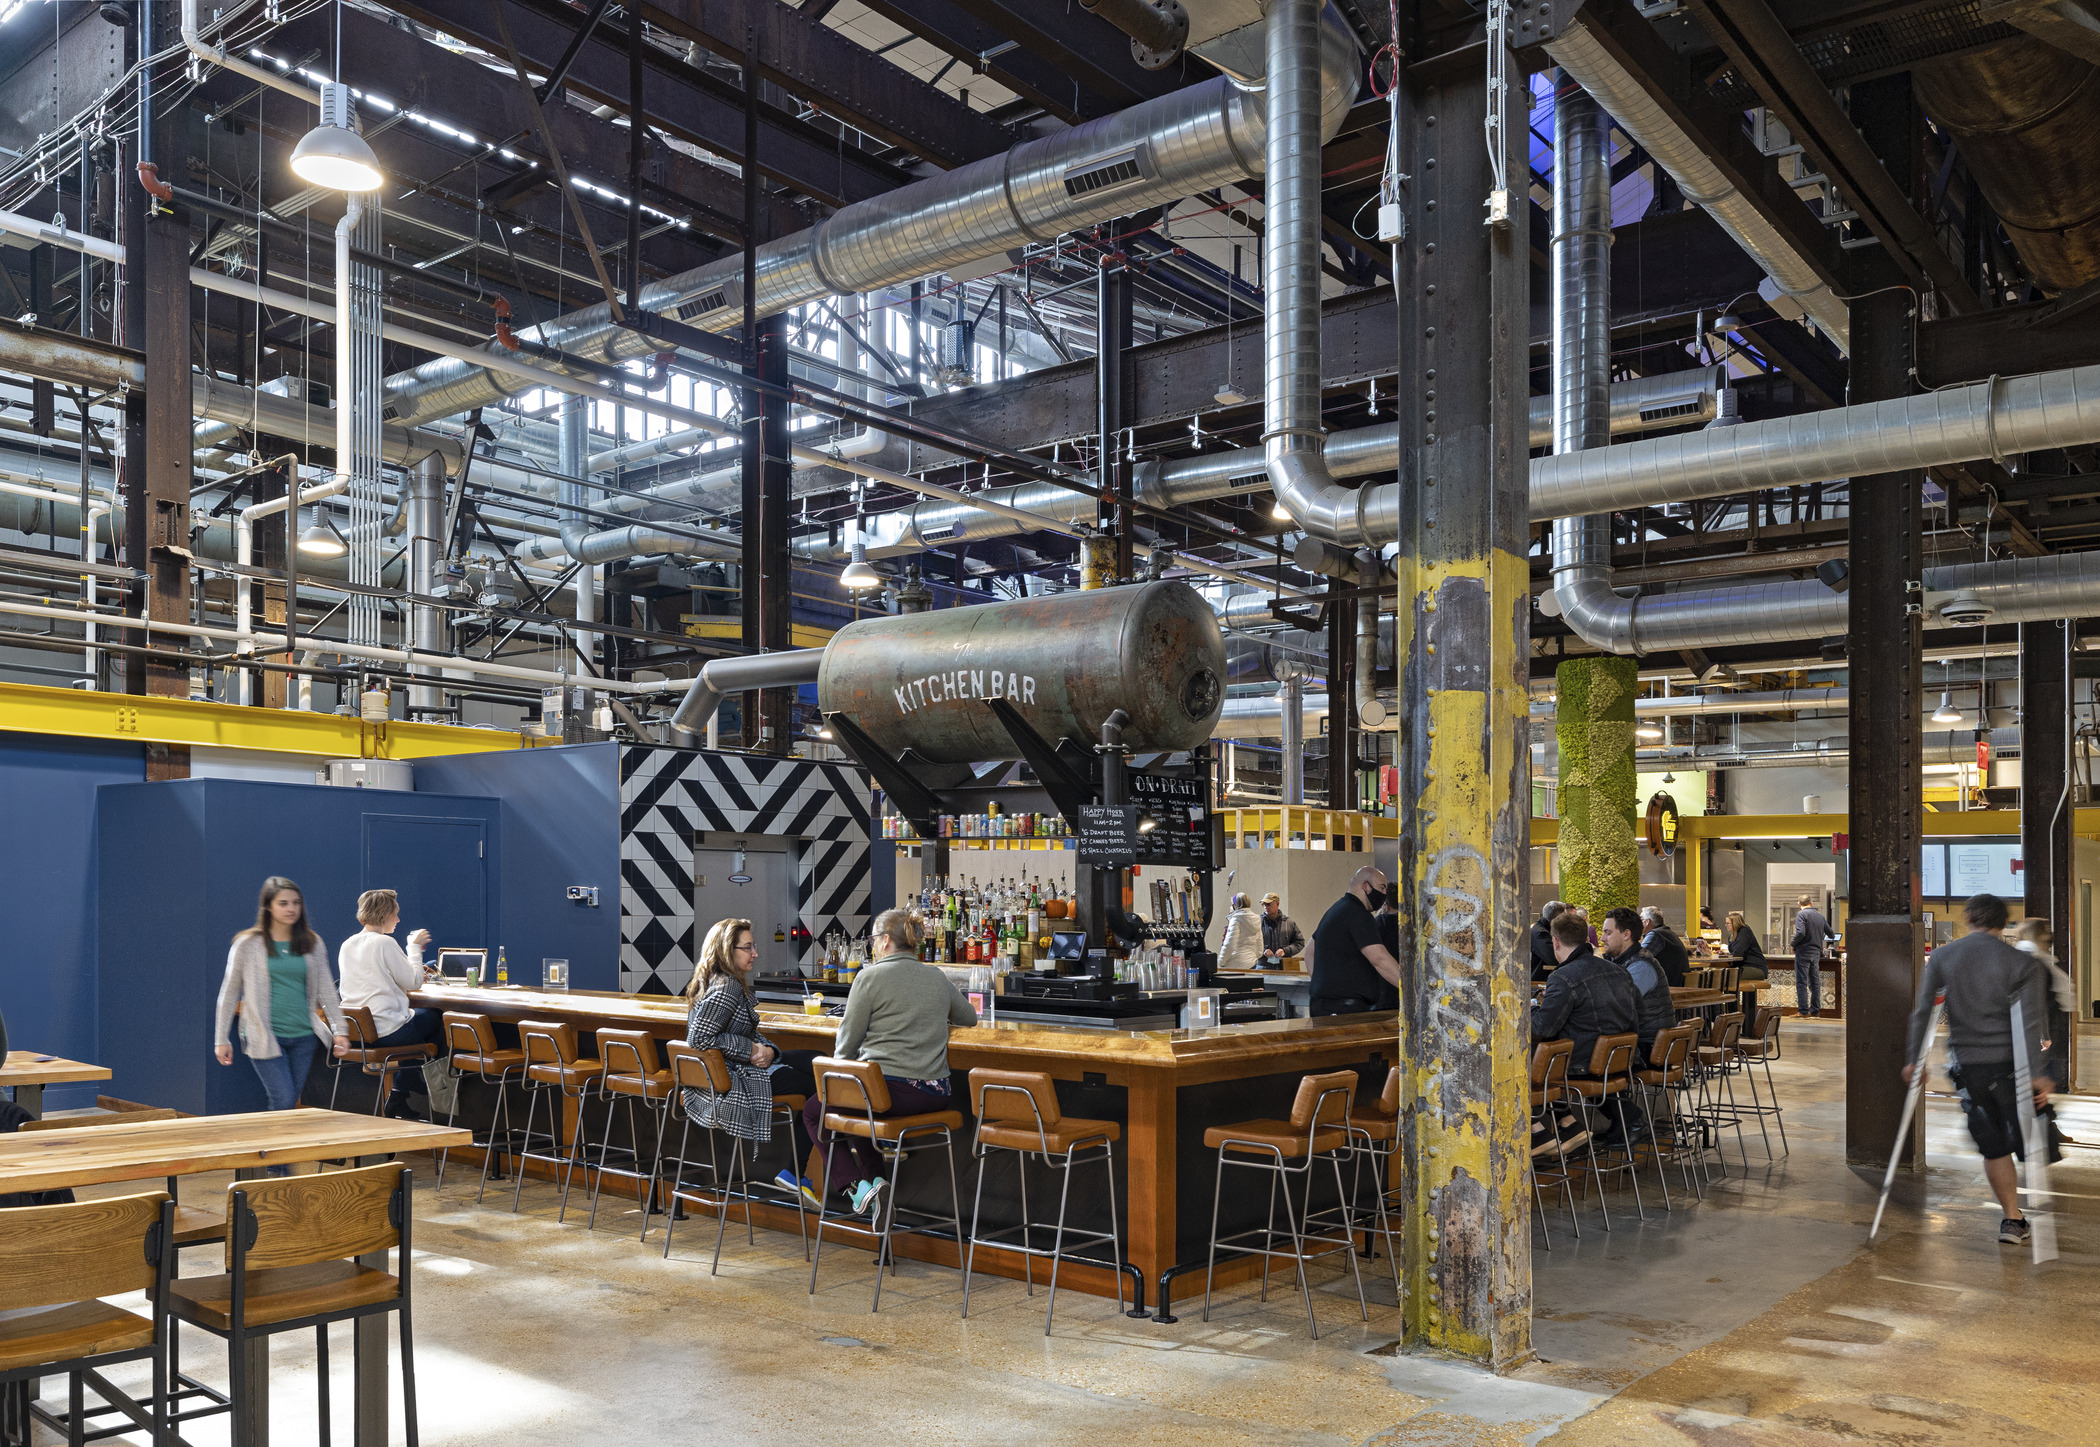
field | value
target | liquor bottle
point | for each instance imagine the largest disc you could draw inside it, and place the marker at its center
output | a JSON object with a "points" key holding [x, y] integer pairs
{"points": [[502, 967]]}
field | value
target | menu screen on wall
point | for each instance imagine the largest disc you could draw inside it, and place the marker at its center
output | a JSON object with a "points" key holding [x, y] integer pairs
{"points": [[1983, 869]]}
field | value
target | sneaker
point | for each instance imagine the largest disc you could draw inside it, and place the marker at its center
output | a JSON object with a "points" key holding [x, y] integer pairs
{"points": [[867, 1197], [791, 1183], [2013, 1233]]}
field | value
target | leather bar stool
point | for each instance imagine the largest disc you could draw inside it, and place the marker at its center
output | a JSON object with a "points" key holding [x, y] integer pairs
{"points": [[551, 1063], [1606, 1087], [1718, 1066], [1760, 1049], [1017, 1111], [1318, 1129], [472, 1040], [633, 1073], [1549, 1087], [375, 1059], [1374, 1132], [1668, 1075], [707, 1073], [855, 1098]]}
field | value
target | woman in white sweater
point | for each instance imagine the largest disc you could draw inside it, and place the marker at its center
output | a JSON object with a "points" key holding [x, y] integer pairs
{"points": [[377, 976], [1241, 947], [277, 984]]}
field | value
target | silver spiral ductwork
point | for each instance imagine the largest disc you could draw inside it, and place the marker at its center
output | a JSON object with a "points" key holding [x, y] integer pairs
{"points": [[1581, 321], [1159, 151], [1591, 65]]}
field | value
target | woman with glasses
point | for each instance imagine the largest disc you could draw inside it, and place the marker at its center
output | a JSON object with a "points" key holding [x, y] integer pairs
{"points": [[723, 1018]]}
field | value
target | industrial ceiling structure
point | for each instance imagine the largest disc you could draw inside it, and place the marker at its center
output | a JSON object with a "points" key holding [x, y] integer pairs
{"points": [[667, 315]]}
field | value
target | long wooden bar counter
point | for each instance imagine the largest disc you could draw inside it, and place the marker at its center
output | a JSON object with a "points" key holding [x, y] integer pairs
{"points": [[1164, 1086]]}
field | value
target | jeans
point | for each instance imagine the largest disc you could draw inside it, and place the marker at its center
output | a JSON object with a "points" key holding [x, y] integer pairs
{"points": [[852, 1159], [424, 1027], [284, 1078], [1808, 986]]}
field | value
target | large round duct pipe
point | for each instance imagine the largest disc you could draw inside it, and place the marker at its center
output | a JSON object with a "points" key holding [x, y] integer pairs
{"points": [[1065, 662], [1156, 152], [2026, 116]]}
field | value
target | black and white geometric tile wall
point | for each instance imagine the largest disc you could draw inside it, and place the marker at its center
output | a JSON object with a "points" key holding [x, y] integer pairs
{"points": [[669, 795]]}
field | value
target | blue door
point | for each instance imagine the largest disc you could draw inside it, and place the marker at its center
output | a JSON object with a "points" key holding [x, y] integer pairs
{"points": [[439, 867]]}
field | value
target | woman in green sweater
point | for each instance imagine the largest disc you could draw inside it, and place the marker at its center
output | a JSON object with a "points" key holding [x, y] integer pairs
{"points": [[277, 982]]}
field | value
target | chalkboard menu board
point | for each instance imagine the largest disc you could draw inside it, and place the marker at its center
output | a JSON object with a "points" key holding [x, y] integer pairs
{"points": [[1108, 835], [1174, 819]]}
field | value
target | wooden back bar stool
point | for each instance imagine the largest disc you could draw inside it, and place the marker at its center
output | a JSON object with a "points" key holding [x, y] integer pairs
{"points": [[551, 1063], [1718, 1066], [1668, 1074], [1758, 1050], [291, 1252], [1606, 1086], [375, 1059], [1549, 1086], [856, 1101], [706, 1074], [1017, 1111], [471, 1038], [1318, 1129], [1374, 1134], [56, 1262], [633, 1073]]}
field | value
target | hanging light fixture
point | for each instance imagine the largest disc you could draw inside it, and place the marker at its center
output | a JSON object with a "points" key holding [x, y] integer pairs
{"points": [[323, 541], [1279, 512], [1648, 729], [1946, 713], [1668, 777], [333, 154], [859, 573]]}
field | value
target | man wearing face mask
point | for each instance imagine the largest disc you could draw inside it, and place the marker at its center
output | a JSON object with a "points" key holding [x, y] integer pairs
{"points": [[1351, 965]]}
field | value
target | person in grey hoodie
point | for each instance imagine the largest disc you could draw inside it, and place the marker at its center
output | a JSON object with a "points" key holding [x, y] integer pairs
{"points": [[1811, 931], [278, 985], [1981, 975]]}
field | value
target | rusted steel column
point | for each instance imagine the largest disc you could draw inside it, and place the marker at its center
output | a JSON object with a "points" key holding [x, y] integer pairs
{"points": [[1464, 632]]}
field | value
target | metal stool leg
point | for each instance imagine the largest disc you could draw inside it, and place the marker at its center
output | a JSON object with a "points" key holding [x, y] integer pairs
{"points": [[1057, 1239], [1210, 1270], [1348, 1228], [976, 1214], [532, 1105]]}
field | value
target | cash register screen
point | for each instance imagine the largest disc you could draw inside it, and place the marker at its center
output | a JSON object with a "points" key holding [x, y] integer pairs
{"points": [[454, 964], [1068, 945]]}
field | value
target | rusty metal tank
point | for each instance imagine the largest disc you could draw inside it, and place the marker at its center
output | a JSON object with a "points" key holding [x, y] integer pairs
{"points": [[1065, 661]]}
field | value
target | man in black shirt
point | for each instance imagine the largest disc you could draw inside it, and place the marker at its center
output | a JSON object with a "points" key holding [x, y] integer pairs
{"points": [[1350, 964], [1658, 1012], [1587, 997], [1664, 947]]}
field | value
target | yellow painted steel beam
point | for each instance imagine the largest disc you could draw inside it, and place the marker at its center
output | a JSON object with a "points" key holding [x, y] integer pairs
{"points": [[1973, 822], [145, 718]]}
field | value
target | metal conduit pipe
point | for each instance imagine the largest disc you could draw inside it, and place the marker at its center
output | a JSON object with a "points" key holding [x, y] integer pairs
{"points": [[1643, 404], [426, 521], [1579, 53], [1371, 713], [721, 677], [1581, 316], [1783, 700], [1205, 135]]}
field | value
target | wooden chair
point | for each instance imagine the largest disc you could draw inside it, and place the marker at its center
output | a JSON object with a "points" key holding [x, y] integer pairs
{"points": [[636, 1074], [471, 1037], [193, 1226], [1318, 1129], [1667, 1075], [707, 1072], [375, 1059], [1017, 1111], [1608, 1083], [551, 1062], [856, 1103], [1549, 1087], [55, 1264], [291, 1263]]}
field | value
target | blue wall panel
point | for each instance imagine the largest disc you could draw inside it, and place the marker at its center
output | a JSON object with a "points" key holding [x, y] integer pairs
{"points": [[181, 864], [561, 826], [47, 858]]}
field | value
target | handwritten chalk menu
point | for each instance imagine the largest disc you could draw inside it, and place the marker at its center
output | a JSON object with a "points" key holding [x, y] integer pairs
{"points": [[1108, 835], [1174, 822]]}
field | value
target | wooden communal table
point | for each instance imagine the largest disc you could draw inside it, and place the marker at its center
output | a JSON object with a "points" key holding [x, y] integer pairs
{"points": [[1171, 1083], [47, 1160], [29, 1073]]}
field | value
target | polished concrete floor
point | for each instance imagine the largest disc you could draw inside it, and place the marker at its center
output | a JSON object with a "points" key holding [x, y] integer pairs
{"points": [[1758, 1317]]}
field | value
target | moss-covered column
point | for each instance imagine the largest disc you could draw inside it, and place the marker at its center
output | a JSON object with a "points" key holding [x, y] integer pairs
{"points": [[1593, 724]]}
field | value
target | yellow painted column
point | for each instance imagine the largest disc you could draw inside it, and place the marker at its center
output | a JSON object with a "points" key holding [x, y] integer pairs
{"points": [[1694, 851], [1463, 649]]}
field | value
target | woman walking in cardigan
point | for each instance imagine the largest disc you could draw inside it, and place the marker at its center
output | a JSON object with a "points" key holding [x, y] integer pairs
{"points": [[277, 982], [722, 1018]]}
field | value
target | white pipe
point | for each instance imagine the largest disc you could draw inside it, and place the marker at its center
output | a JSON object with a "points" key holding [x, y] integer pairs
{"points": [[244, 554], [868, 441], [218, 55]]}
